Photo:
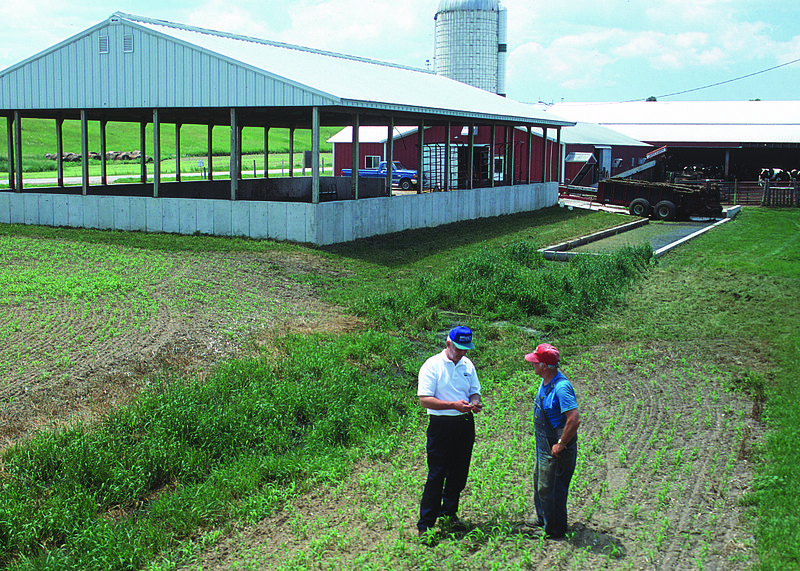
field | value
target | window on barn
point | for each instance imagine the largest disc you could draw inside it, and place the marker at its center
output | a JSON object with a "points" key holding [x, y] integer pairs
{"points": [[127, 43], [103, 44], [372, 161]]}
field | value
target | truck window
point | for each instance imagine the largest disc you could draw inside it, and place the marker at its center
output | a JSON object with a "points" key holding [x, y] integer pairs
{"points": [[371, 161]]}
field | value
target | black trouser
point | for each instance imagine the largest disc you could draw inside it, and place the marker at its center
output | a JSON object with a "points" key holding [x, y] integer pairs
{"points": [[449, 446]]}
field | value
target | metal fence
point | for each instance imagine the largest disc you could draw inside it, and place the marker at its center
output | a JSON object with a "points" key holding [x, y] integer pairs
{"points": [[761, 193]]}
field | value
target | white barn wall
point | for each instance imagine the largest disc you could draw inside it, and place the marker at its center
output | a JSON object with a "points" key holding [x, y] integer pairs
{"points": [[320, 224]]}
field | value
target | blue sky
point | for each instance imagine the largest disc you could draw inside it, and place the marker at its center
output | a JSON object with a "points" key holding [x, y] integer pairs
{"points": [[559, 50]]}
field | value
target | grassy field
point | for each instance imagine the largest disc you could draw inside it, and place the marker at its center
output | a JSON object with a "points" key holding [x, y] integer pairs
{"points": [[39, 137], [302, 447]]}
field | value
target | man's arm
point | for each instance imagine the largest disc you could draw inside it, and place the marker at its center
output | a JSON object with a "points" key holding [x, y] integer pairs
{"points": [[437, 404], [570, 430]]}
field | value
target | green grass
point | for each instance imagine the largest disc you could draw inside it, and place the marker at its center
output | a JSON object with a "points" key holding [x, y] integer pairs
{"points": [[739, 286], [191, 457]]}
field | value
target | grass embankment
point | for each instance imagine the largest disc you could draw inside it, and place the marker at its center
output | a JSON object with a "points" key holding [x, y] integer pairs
{"points": [[39, 137], [192, 456]]}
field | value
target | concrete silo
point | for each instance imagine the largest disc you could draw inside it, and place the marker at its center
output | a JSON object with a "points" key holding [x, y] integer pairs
{"points": [[470, 43]]}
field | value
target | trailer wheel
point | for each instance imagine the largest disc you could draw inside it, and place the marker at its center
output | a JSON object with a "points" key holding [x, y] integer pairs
{"points": [[640, 207], [665, 210]]}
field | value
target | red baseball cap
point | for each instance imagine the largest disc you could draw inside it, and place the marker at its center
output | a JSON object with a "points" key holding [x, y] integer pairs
{"points": [[544, 353]]}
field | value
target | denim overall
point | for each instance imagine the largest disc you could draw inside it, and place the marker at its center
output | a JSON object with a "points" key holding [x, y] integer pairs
{"points": [[551, 476]]}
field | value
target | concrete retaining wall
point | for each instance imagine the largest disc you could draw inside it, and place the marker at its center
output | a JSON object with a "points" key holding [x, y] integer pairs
{"points": [[320, 224]]}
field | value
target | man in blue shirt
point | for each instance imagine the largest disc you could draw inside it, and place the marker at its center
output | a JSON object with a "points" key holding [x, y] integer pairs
{"points": [[448, 387], [556, 420]]}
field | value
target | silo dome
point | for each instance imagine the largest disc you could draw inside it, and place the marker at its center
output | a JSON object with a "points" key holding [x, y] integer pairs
{"points": [[455, 5], [470, 43]]}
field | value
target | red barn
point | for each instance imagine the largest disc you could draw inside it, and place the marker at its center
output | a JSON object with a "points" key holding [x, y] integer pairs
{"points": [[490, 158]]}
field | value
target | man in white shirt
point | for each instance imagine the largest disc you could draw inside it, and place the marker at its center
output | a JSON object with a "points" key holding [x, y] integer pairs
{"points": [[448, 387]]}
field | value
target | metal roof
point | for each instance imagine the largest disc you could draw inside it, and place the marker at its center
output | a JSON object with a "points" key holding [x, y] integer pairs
{"points": [[713, 122], [177, 66], [592, 134]]}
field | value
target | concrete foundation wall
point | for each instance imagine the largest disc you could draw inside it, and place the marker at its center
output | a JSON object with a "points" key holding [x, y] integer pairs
{"points": [[320, 224]]}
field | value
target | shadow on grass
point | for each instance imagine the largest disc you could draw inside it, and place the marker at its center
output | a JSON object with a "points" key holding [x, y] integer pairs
{"points": [[580, 537]]}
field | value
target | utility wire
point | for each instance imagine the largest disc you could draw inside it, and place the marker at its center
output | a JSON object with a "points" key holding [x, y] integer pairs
{"points": [[720, 82]]}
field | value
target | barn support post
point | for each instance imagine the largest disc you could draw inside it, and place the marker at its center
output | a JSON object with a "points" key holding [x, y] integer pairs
{"points": [[389, 157], [505, 156], [143, 146], [446, 181], [103, 149], [559, 161], [177, 152], [420, 154], [60, 151], [492, 153], [529, 141], [210, 153], [18, 148], [513, 134], [156, 152], [239, 155], [84, 153], [544, 154], [11, 149], [354, 157], [471, 158], [727, 162], [233, 166], [291, 152], [266, 152], [315, 137]]}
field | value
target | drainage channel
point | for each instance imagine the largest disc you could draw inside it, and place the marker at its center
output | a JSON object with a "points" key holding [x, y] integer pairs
{"points": [[662, 237]]}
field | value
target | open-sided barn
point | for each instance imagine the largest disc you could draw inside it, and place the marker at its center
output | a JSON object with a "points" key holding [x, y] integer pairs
{"points": [[151, 72]]}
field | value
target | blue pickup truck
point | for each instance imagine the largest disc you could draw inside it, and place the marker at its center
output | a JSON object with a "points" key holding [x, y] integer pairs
{"points": [[404, 178]]}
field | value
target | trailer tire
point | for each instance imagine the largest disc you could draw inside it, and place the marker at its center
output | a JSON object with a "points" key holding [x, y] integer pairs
{"points": [[665, 210], [640, 207]]}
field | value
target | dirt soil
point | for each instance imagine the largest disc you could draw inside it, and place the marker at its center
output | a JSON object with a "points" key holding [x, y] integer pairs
{"points": [[700, 519], [102, 372]]}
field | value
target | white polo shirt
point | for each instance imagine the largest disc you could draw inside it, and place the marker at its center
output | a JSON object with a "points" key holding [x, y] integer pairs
{"points": [[441, 378]]}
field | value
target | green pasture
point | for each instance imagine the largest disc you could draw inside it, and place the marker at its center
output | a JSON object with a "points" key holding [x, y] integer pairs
{"points": [[192, 462], [39, 138]]}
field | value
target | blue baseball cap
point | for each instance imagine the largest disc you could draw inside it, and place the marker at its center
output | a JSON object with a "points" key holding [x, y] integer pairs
{"points": [[461, 337]]}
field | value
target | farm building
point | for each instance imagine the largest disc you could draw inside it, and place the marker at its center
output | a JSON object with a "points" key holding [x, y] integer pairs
{"points": [[591, 152], [729, 140], [489, 153], [584, 154], [156, 73]]}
